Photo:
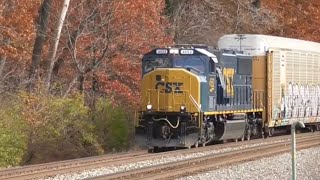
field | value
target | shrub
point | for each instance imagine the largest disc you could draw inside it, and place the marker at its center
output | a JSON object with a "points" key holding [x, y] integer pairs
{"points": [[42, 128], [113, 125], [13, 133], [62, 129]]}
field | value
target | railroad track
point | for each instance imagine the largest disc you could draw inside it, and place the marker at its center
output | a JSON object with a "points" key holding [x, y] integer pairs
{"points": [[76, 165], [49, 169], [210, 162]]}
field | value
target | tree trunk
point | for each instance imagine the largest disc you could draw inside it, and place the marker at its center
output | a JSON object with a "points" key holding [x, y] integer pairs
{"points": [[3, 59], [54, 46], [81, 83], [42, 26]]}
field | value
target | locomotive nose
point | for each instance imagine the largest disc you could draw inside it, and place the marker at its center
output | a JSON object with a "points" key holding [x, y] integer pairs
{"points": [[171, 90]]}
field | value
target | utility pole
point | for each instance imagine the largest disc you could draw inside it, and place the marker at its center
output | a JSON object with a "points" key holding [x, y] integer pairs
{"points": [[293, 147]]}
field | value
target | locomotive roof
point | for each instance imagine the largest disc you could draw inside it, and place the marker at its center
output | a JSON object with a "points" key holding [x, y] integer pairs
{"points": [[183, 51], [257, 44]]}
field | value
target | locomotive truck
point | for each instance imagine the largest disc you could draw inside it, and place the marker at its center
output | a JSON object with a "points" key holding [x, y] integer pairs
{"points": [[251, 86]]}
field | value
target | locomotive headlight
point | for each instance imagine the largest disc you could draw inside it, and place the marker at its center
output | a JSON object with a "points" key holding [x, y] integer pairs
{"points": [[182, 108], [149, 107]]}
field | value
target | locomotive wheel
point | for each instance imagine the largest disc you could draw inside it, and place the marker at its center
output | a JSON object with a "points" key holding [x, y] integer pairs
{"points": [[150, 150], [248, 134], [196, 145], [153, 150]]}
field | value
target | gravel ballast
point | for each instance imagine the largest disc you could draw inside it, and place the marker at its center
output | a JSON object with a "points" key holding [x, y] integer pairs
{"points": [[272, 168], [277, 167], [147, 163]]}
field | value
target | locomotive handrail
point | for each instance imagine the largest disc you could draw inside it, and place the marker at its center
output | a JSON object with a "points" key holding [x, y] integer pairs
{"points": [[195, 103]]}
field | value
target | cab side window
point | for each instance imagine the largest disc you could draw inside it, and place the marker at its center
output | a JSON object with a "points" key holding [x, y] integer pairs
{"points": [[212, 66], [244, 66]]}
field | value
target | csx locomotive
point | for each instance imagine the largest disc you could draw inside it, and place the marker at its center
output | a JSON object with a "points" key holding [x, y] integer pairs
{"points": [[250, 86]]}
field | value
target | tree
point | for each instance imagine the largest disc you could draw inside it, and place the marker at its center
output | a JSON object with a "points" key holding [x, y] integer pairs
{"points": [[103, 40], [298, 18], [204, 21], [16, 41], [42, 26], [55, 42]]}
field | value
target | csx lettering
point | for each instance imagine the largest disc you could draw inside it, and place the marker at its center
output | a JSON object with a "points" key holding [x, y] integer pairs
{"points": [[168, 87]]}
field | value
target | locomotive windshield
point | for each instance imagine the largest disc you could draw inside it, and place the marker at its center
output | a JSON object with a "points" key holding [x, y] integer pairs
{"points": [[193, 63], [152, 62]]}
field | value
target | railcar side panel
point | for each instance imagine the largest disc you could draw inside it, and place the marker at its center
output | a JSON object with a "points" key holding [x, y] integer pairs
{"points": [[259, 82], [295, 87]]}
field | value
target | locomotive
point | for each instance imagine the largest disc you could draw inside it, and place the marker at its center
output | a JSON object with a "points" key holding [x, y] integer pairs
{"points": [[250, 86]]}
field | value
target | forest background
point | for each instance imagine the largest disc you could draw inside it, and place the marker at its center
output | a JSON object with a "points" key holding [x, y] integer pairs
{"points": [[70, 69]]}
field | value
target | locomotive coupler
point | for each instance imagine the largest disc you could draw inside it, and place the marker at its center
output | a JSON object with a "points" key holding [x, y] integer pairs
{"points": [[165, 131], [149, 131], [183, 132]]}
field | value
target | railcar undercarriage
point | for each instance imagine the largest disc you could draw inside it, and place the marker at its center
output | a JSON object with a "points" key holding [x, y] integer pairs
{"points": [[186, 130]]}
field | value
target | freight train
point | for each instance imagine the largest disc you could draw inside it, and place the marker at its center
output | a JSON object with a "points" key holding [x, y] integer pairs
{"points": [[250, 86]]}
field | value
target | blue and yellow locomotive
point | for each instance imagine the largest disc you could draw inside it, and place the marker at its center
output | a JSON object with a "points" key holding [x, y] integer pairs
{"points": [[192, 95]]}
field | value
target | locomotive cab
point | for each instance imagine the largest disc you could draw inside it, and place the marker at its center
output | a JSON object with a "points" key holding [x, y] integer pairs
{"points": [[190, 59]]}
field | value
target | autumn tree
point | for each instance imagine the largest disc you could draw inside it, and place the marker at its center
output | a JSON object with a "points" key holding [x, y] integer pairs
{"points": [[204, 21], [103, 44], [16, 42], [298, 18]]}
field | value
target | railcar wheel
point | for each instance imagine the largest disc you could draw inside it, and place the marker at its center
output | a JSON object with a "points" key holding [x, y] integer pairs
{"points": [[271, 132], [318, 127]]}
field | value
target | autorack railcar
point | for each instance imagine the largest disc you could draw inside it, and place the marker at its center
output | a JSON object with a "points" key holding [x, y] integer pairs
{"points": [[286, 70]]}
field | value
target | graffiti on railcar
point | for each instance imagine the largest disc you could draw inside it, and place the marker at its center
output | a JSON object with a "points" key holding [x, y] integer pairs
{"points": [[300, 101]]}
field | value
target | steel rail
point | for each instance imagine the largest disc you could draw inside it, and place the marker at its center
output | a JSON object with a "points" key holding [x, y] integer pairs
{"points": [[210, 162]]}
